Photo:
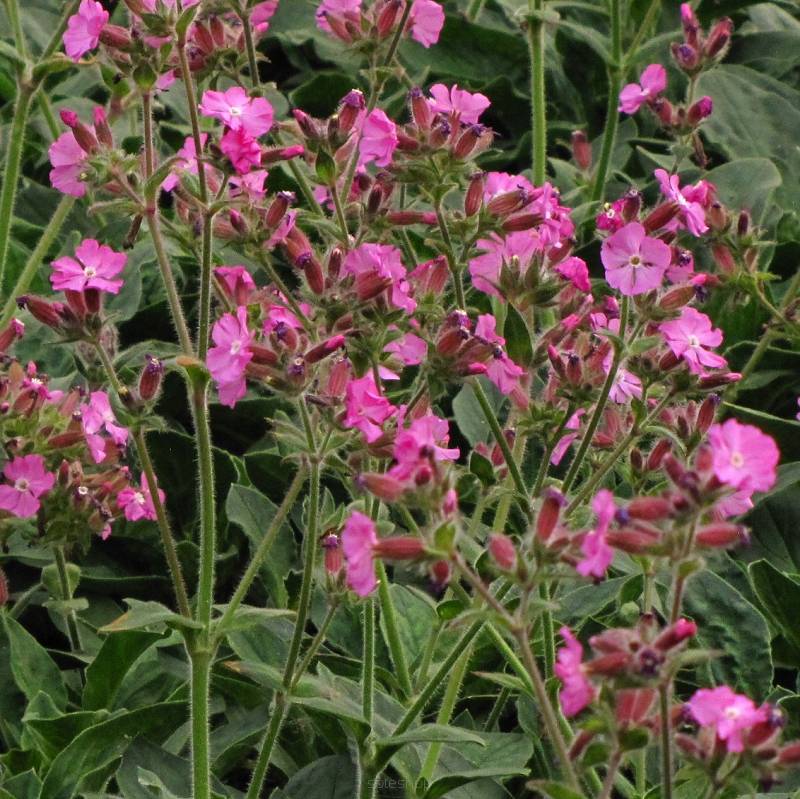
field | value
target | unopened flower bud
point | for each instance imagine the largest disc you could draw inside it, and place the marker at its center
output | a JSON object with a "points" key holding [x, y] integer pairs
{"points": [[503, 551], [313, 272], [743, 223], [278, 207], [508, 201], [660, 216], [440, 574], [334, 558], [547, 519], [387, 18], [789, 755], [519, 222], [690, 25], [631, 205], [707, 413], [383, 486], [633, 540], [309, 126], [400, 547], [581, 150], [48, 313], [116, 36], [150, 379], [675, 634], [324, 349], [719, 38], [649, 508], [676, 298], [473, 199], [84, 135], [686, 57], [664, 111], [271, 155], [713, 381], [699, 111], [421, 111], [13, 331], [720, 535], [468, 141], [351, 107], [101, 127]]}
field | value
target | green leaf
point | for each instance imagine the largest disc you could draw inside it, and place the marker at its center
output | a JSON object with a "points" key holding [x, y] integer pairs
{"points": [[33, 669], [332, 777], [779, 596], [518, 337], [246, 617], [748, 183], [148, 614], [444, 785], [554, 790], [468, 414], [432, 732]]}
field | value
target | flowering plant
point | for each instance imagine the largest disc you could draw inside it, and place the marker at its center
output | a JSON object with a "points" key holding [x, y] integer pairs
{"points": [[360, 436]]}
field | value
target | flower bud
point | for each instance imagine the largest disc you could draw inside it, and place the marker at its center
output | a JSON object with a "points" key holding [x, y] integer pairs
{"points": [[387, 488], [420, 109], [660, 216], [400, 547], [324, 349], [48, 313], [649, 508], [468, 141], [116, 36], [633, 704], [547, 519], [631, 205], [699, 111], [278, 207], [633, 540], [581, 150], [387, 18], [440, 574], [718, 380], [719, 38], [101, 128], [690, 25], [721, 535], [13, 331], [271, 155], [686, 57], [84, 135], [309, 126], [743, 223], [789, 755], [508, 201], [707, 413], [313, 272], [473, 199], [520, 222], [150, 378], [349, 110], [334, 558], [503, 551], [675, 634]]}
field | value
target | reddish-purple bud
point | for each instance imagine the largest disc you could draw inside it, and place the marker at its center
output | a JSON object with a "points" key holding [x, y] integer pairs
{"points": [[271, 155], [334, 557], [13, 331], [383, 486], [150, 379], [313, 272], [101, 127], [420, 109], [473, 200], [84, 135], [676, 298], [309, 126], [686, 57], [48, 313], [581, 150], [699, 111], [278, 207], [349, 111], [547, 519], [116, 36], [649, 508], [660, 216], [719, 38], [519, 222], [503, 551], [388, 17], [675, 634], [468, 141], [324, 349], [401, 547], [719, 535]]}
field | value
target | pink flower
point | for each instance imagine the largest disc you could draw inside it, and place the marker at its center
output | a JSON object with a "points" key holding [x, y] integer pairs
{"points": [[427, 21], [250, 185], [743, 456], [467, 107], [728, 713], [378, 139], [27, 481], [243, 151], [652, 82], [689, 335], [734, 504], [366, 408], [495, 252], [98, 416], [228, 360], [372, 263], [503, 182], [418, 446], [359, 538], [261, 14], [626, 385], [137, 504], [238, 111], [94, 267], [410, 349], [342, 9], [67, 158], [634, 262], [565, 442], [689, 199], [610, 218], [575, 270], [187, 161], [500, 369], [238, 282], [597, 553], [84, 28], [576, 692]]}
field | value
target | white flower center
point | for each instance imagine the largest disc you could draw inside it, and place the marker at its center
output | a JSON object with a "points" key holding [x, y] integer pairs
{"points": [[235, 347], [732, 712], [235, 111], [737, 460], [21, 484], [138, 498], [635, 260], [694, 341], [83, 491], [89, 271]]}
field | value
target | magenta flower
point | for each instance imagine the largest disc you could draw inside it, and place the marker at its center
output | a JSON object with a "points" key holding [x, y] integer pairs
{"points": [[261, 14], [419, 445], [634, 262], [689, 199], [238, 111], [743, 456], [575, 270], [410, 349], [495, 252], [500, 369], [241, 149], [610, 218], [366, 408], [597, 553], [576, 692], [237, 282], [689, 335], [626, 385], [427, 21], [27, 481], [84, 28], [250, 185], [565, 442], [372, 263], [228, 360], [343, 9], [728, 713], [378, 139], [464, 105], [67, 158], [652, 82], [359, 538], [137, 504], [98, 416], [95, 266], [503, 182], [187, 162]]}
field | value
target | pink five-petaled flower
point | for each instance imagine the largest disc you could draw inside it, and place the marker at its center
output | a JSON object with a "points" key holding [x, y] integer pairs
{"points": [[689, 335], [485, 268], [238, 111], [366, 408], [501, 370], [95, 266], [634, 262], [137, 503], [67, 158], [27, 481], [359, 538], [597, 554], [743, 456], [427, 21], [652, 82], [343, 9], [372, 263], [97, 415], [84, 28], [576, 691], [575, 270], [728, 713], [410, 349], [378, 139], [241, 149], [692, 213], [418, 445], [228, 360], [187, 162], [458, 102]]}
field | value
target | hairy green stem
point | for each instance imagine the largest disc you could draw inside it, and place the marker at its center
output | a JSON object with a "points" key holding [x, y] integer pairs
{"points": [[455, 272], [316, 643], [69, 615], [389, 615], [536, 52], [200, 685], [475, 9], [497, 709], [368, 661], [250, 49], [666, 743]]}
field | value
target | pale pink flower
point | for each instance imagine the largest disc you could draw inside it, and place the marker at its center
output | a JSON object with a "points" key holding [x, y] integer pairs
{"points": [[84, 28], [634, 262], [279, 319], [98, 416], [464, 105], [378, 139], [734, 504], [689, 199], [575, 270], [67, 158], [250, 185], [626, 385], [743, 456], [369, 263], [166, 80], [95, 266], [359, 538], [500, 369], [596, 551], [652, 82], [238, 111], [419, 445], [27, 481], [410, 349], [689, 335], [565, 442], [238, 282], [243, 151], [344, 9], [427, 21], [261, 14], [495, 252], [228, 360], [576, 691], [557, 225], [137, 503], [366, 408], [187, 162], [503, 182], [729, 714]]}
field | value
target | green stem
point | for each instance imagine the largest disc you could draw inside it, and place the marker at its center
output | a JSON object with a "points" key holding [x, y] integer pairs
{"points": [[55, 37], [200, 660], [15, 20], [250, 49], [63, 583], [611, 773], [49, 235], [548, 634], [368, 662], [504, 505], [268, 744], [46, 107], [23, 600], [666, 743], [497, 709], [427, 655], [389, 615], [600, 407], [337, 204], [615, 75], [474, 9], [536, 51], [315, 644], [455, 272]]}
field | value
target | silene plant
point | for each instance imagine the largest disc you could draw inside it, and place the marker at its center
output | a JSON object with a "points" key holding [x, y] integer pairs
{"points": [[492, 469]]}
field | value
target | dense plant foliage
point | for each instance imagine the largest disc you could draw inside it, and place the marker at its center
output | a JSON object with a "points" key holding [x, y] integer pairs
{"points": [[399, 398]]}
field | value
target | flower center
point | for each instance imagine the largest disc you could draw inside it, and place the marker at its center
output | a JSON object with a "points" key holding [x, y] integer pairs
{"points": [[737, 460], [235, 111], [635, 260], [694, 341], [89, 271], [235, 347], [21, 484], [138, 498], [732, 713]]}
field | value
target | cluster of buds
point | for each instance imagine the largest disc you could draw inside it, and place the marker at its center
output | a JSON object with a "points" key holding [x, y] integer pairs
{"points": [[699, 51]]}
